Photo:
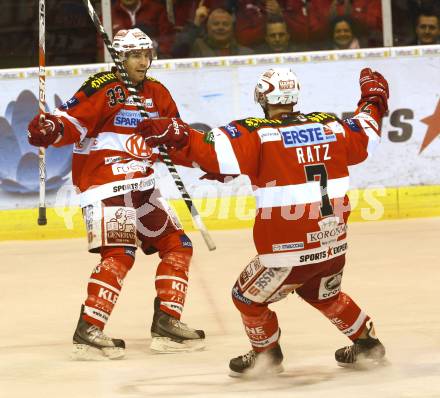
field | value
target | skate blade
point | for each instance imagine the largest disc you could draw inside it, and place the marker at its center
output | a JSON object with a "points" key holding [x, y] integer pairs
{"points": [[365, 364], [257, 373], [84, 352], [164, 345]]}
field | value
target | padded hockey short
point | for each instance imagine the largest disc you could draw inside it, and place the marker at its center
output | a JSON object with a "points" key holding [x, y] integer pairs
{"points": [[258, 284], [138, 218]]}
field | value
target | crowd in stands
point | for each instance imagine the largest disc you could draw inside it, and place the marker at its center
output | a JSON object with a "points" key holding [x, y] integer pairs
{"points": [[205, 28]]}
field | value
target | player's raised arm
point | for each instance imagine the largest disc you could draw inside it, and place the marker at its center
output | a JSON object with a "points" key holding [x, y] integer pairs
{"points": [[362, 131]]}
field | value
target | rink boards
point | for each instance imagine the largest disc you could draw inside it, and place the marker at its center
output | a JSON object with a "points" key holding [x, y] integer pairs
{"points": [[230, 212]]}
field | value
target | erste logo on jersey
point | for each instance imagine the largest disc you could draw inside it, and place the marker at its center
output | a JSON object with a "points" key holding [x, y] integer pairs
{"points": [[136, 146], [125, 118], [306, 134]]}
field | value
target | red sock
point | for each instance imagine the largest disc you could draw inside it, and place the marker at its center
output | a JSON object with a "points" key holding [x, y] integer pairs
{"points": [[263, 331], [172, 282], [105, 285], [345, 314]]}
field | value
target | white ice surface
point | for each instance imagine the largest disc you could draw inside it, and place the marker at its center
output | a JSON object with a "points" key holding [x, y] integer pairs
{"points": [[393, 272]]}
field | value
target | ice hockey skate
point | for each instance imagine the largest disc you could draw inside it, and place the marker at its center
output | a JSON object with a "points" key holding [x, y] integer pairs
{"points": [[169, 335], [363, 354], [91, 344], [257, 364]]}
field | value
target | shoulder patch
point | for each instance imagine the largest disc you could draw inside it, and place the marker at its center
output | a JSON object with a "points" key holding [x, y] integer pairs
{"points": [[353, 125], [209, 138], [95, 82], [69, 104], [231, 130], [321, 117]]}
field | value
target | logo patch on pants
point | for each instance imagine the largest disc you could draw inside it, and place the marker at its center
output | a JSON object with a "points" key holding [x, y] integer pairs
{"points": [[120, 226], [330, 286]]}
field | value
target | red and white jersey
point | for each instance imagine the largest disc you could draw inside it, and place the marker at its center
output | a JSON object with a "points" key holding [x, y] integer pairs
{"points": [[298, 166], [109, 159]]}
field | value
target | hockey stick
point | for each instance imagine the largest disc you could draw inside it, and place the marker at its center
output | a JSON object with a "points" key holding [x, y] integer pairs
{"points": [[42, 220], [166, 159]]}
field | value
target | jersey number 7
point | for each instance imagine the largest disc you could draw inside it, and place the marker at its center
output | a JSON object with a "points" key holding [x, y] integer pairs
{"points": [[319, 170]]}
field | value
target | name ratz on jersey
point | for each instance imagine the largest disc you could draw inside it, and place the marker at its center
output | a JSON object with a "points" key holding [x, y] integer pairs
{"points": [[298, 166]]}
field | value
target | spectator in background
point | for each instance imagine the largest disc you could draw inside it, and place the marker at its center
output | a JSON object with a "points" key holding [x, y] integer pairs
{"points": [[182, 12], [19, 33], [342, 35], [404, 17], [192, 30], [366, 14], [179, 12], [428, 28], [277, 38], [404, 13], [216, 40], [70, 33], [150, 16], [219, 38], [305, 20]]}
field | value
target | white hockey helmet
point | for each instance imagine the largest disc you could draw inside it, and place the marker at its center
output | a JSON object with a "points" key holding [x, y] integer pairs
{"points": [[277, 86], [127, 40]]}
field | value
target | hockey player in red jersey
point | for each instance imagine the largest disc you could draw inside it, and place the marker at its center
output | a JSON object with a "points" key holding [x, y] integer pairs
{"points": [[298, 165], [122, 209]]}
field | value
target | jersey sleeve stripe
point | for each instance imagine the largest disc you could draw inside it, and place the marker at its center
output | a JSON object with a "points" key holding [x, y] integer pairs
{"points": [[81, 129], [297, 194], [84, 147], [371, 129], [227, 161], [111, 141]]}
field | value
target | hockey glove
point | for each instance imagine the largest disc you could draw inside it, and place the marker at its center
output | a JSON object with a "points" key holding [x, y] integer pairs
{"points": [[45, 131], [374, 89], [172, 132]]}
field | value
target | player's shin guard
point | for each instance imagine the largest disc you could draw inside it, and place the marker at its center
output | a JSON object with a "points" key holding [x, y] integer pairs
{"points": [[105, 284], [261, 326], [168, 333], [344, 313], [172, 282], [260, 323], [262, 330]]}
